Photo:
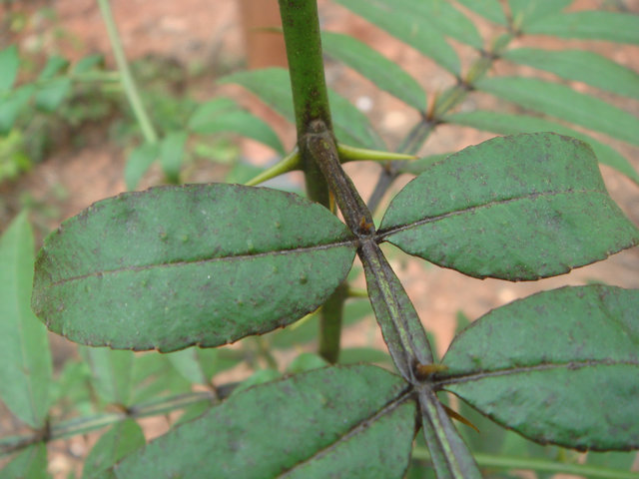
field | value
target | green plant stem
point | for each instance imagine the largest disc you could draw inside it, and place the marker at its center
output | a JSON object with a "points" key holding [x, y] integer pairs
{"points": [[331, 324], [128, 83], [522, 463], [301, 28]]}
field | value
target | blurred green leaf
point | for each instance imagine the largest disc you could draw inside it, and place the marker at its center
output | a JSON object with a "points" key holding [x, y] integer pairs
{"points": [[172, 153], [12, 106], [52, 94], [565, 103], [55, 64], [25, 371], [387, 75], [580, 65], [174, 266], [87, 64], [240, 122], [138, 162], [508, 124], [528, 12], [490, 9], [187, 363], [119, 441], [305, 362], [323, 423], [416, 31], [110, 373], [257, 378], [364, 355], [590, 25], [558, 367], [522, 207], [9, 64], [29, 463], [416, 167]]}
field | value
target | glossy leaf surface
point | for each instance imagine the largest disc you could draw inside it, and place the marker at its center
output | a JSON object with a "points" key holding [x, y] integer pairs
{"points": [[386, 74], [25, 373], [580, 65], [198, 264], [121, 440], [559, 366], [408, 27], [565, 103], [517, 208], [273, 87], [590, 25], [224, 115], [333, 422], [508, 124]]}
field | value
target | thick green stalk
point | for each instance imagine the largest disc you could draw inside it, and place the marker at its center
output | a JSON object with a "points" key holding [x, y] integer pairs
{"points": [[128, 83], [301, 28]]}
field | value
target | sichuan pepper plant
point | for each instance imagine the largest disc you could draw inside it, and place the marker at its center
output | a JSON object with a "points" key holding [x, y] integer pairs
{"points": [[206, 265]]}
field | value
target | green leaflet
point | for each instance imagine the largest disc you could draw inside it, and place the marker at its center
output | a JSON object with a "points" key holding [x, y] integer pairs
{"points": [[580, 65], [52, 94], [352, 421], [122, 439], [590, 25], [415, 30], [489, 9], [565, 103], [12, 105], [9, 64], [518, 208], [25, 371], [172, 153], [559, 366], [528, 12], [138, 162], [29, 463], [508, 124], [387, 75], [198, 264], [273, 86], [224, 115], [110, 373]]}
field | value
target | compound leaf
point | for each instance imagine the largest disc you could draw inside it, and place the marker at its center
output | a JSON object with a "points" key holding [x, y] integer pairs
{"points": [[580, 65], [565, 103], [523, 207], [25, 375], [590, 25], [387, 75], [121, 440], [508, 124], [355, 421], [197, 264], [273, 87], [559, 367], [415, 30]]}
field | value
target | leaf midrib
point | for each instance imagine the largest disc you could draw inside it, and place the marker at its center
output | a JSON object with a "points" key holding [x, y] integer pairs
{"points": [[573, 365], [180, 263], [382, 234]]}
